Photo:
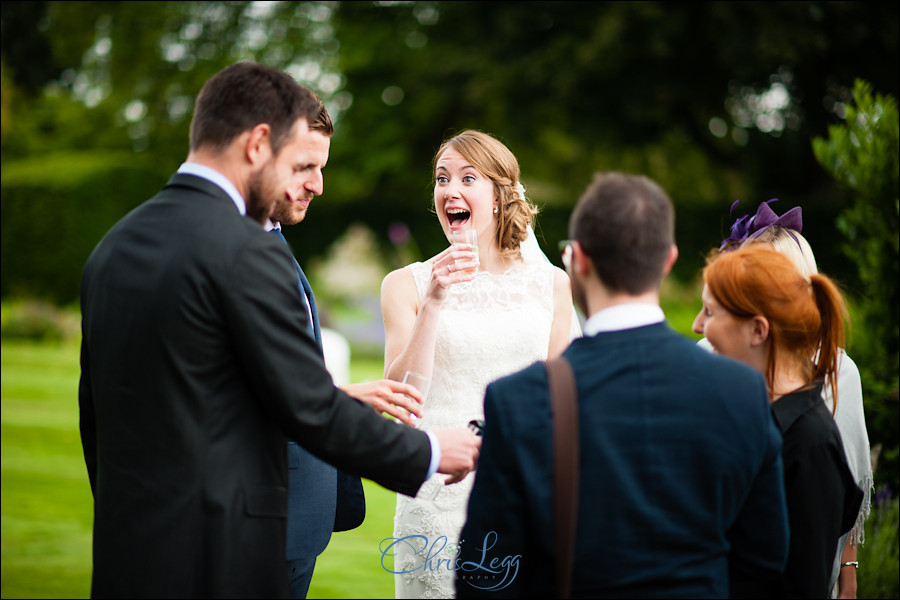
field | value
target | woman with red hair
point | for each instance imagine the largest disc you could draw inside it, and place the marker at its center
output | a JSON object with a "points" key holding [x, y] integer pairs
{"points": [[759, 309]]}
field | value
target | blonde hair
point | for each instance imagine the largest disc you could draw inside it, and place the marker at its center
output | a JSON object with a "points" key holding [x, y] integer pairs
{"points": [[495, 161], [794, 246]]}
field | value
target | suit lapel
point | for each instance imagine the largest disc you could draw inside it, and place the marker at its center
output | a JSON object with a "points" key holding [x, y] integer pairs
{"points": [[310, 297], [307, 292]]}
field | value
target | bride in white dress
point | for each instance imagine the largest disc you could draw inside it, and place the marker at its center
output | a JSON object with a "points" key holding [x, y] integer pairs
{"points": [[465, 320]]}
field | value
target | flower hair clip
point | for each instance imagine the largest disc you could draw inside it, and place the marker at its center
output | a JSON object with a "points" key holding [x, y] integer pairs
{"points": [[748, 227]]}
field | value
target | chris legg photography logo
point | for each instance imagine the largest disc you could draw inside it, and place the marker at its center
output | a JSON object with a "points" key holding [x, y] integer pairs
{"points": [[490, 573]]}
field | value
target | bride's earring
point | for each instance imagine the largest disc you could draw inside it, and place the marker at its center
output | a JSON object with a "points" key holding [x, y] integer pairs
{"points": [[496, 210]]}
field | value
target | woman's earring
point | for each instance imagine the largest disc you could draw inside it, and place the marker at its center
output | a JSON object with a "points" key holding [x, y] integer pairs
{"points": [[496, 210]]}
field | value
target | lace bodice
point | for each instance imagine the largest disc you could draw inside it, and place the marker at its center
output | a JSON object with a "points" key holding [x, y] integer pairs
{"points": [[488, 328]]}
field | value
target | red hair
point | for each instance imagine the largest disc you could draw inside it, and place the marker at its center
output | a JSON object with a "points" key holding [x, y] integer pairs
{"points": [[804, 316]]}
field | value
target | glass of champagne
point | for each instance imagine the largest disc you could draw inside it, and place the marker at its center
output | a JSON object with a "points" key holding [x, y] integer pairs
{"points": [[475, 426], [466, 237], [420, 382]]}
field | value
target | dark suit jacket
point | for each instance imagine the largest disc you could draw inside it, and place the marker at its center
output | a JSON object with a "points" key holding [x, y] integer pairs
{"points": [[680, 472], [196, 368]]}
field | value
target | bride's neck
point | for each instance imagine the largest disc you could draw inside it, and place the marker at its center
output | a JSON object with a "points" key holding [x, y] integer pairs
{"points": [[493, 261]]}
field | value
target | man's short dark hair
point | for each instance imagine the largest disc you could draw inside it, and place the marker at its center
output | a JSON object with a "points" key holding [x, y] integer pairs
{"points": [[626, 225], [242, 96]]}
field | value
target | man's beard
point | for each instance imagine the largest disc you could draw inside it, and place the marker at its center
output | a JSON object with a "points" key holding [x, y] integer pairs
{"points": [[578, 295], [260, 197], [285, 213]]}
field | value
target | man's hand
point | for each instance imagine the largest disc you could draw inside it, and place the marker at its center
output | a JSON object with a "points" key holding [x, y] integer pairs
{"points": [[399, 400], [459, 453]]}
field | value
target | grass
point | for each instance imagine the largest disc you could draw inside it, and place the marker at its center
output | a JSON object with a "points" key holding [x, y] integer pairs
{"points": [[47, 504], [46, 499]]}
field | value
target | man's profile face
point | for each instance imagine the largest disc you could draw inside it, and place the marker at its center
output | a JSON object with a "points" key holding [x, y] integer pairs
{"points": [[305, 158], [284, 186]]}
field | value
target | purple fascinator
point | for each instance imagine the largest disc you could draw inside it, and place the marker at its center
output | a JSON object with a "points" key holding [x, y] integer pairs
{"points": [[748, 227]]}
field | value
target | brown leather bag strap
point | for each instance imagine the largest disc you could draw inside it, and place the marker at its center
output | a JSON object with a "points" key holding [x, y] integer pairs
{"points": [[564, 401]]}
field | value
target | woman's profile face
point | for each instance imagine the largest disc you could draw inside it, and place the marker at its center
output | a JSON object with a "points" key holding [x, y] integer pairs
{"points": [[727, 334], [463, 197]]}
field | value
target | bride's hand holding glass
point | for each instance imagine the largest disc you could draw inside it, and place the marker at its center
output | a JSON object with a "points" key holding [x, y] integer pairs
{"points": [[456, 264]]}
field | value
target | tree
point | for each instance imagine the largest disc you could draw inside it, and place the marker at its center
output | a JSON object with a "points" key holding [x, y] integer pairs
{"points": [[716, 101], [862, 154]]}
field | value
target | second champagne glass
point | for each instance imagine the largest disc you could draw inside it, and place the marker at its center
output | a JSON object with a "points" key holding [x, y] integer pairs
{"points": [[418, 381]]}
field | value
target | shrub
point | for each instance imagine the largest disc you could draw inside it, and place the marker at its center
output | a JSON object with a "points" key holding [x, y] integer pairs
{"points": [[37, 320], [55, 209], [879, 557], [863, 157]]}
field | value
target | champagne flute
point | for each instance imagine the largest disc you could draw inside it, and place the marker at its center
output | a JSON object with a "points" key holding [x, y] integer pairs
{"points": [[420, 382], [475, 426], [466, 237]]}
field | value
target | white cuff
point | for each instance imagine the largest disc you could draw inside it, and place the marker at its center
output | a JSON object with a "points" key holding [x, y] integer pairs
{"points": [[435, 455]]}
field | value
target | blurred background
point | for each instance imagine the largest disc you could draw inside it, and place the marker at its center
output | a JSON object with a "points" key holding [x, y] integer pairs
{"points": [[717, 101]]}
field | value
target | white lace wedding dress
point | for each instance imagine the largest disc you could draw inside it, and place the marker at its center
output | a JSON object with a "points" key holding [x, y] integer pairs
{"points": [[490, 327]]}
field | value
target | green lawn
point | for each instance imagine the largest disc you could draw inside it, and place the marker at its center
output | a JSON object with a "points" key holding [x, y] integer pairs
{"points": [[47, 504], [47, 501]]}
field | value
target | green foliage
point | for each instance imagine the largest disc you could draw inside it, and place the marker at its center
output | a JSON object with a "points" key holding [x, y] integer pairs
{"points": [[55, 209], [862, 154], [563, 83], [879, 558], [38, 321]]}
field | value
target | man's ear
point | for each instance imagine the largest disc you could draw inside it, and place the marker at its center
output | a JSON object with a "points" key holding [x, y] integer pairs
{"points": [[759, 332], [258, 144], [670, 259], [581, 262]]}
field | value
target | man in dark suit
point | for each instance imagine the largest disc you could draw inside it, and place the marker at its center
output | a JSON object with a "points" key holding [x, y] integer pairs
{"points": [[197, 366], [680, 469], [322, 499]]}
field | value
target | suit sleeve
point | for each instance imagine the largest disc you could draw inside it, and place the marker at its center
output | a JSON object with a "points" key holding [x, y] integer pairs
{"points": [[268, 324], [759, 535], [86, 417], [493, 540]]}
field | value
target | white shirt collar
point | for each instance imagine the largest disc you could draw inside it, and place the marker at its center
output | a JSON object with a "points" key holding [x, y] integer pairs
{"points": [[623, 316], [217, 178], [269, 226]]}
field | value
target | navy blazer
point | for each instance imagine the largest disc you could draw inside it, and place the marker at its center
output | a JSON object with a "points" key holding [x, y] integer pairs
{"points": [[196, 367], [320, 498], [680, 475]]}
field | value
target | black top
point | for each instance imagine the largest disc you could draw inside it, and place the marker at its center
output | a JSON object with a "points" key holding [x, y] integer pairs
{"points": [[822, 497]]}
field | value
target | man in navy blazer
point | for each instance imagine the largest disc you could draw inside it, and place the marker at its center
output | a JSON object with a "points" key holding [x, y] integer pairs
{"points": [[322, 499], [197, 366], [680, 467]]}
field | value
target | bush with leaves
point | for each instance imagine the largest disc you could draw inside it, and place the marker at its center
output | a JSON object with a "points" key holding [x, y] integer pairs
{"points": [[862, 155], [879, 557]]}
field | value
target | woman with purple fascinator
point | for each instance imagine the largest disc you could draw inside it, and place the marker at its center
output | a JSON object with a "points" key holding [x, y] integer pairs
{"points": [[749, 228], [783, 233]]}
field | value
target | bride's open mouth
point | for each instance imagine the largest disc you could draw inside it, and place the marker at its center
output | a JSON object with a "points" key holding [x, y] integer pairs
{"points": [[457, 217]]}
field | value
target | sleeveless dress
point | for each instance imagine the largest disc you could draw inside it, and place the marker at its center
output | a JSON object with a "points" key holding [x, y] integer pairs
{"points": [[490, 327]]}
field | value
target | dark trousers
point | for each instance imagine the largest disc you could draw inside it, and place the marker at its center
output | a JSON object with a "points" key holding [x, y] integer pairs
{"points": [[301, 572]]}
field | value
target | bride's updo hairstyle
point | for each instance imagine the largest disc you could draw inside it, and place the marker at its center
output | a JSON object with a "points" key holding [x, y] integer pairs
{"points": [[803, 315], [494, 160]]}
